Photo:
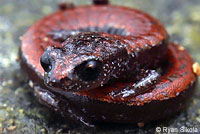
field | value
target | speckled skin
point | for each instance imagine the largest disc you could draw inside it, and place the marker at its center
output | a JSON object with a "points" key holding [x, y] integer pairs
{"points": [[143, 48]]}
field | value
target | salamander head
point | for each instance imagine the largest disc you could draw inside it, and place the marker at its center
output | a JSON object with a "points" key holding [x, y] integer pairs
{"points": [[85, 61]]}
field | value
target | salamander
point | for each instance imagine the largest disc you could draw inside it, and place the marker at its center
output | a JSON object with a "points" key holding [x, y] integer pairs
{"points": [[106, 63]]}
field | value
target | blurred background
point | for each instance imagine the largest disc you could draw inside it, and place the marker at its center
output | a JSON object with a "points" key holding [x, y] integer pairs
{"points": [[19, 110]]}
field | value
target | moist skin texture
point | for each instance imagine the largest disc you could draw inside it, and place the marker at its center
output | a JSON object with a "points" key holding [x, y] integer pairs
{"points": [[120, 62]]}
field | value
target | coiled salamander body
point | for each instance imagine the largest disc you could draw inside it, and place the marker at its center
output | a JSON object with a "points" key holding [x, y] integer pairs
{"points": [[106, 63]]}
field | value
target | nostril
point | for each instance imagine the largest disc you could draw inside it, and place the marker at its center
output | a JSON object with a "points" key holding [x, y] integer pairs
{"points": [[45, 62]]}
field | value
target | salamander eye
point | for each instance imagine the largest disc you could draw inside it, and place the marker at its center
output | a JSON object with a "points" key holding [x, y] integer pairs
{"points": [[45, 62], [89, 70]]}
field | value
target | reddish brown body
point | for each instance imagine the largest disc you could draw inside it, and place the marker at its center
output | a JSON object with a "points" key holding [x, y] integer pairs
{"points": [[145, 41]]}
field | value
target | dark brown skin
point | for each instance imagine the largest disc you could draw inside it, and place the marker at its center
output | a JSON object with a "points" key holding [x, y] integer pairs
{"points": [[120, 61]]}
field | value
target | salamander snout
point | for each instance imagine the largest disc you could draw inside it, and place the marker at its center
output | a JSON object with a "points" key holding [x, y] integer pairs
{"points": [[49, 57], [46, 62], [50, 62]]}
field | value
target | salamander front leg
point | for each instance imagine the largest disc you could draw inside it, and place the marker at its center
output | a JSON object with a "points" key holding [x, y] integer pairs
{"points": [[145, 80], [150, 77]]}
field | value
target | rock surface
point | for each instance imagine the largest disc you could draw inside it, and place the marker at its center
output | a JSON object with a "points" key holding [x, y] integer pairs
{"points": [[19, 110]]}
